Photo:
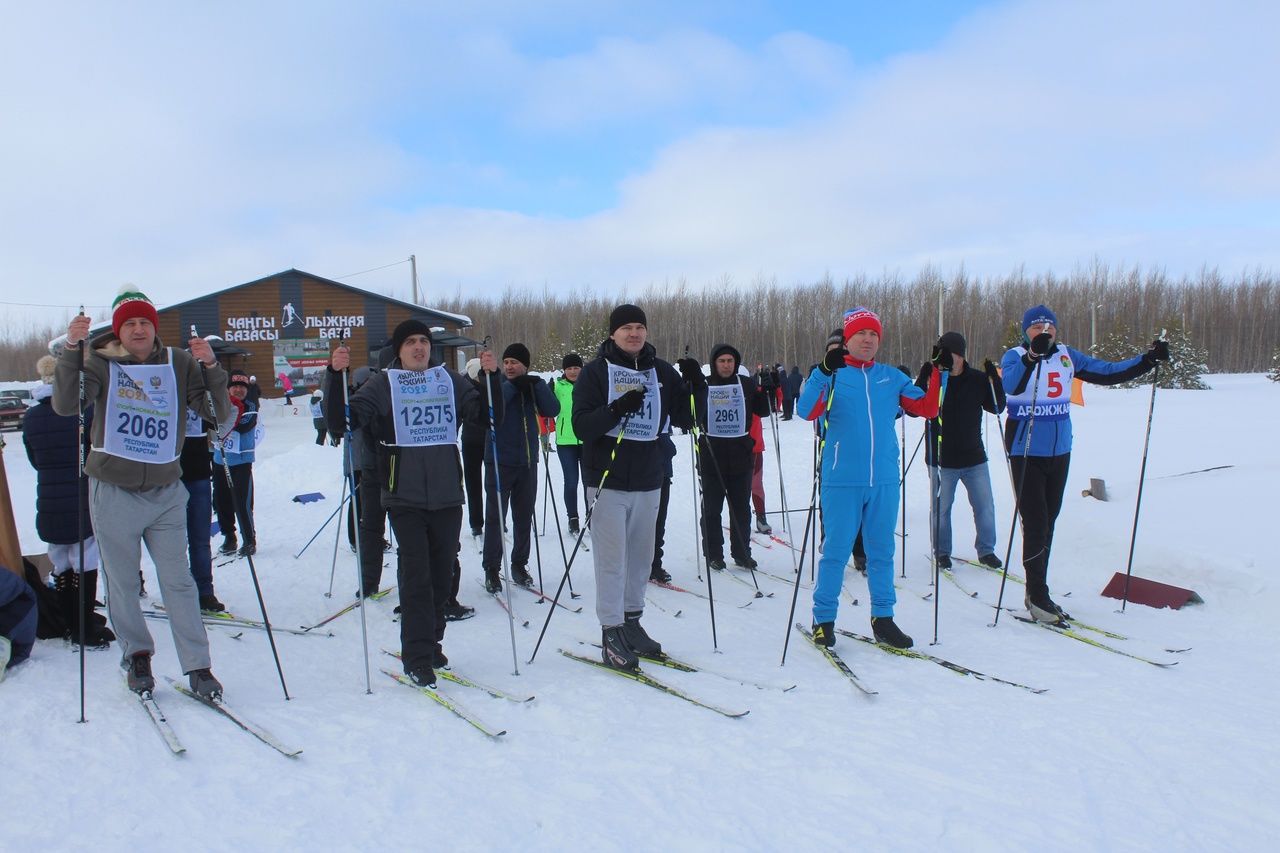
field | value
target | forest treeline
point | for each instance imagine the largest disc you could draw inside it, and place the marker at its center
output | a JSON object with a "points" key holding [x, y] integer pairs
{"points": [[1235, 321]]}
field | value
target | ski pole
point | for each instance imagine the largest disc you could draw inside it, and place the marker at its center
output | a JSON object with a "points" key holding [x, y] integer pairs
{"points": [[1142, 478], [703, 438], [782, 488], [935, 476], [537, 548], [337, 533], [1022, 481], [253, 572], [349, 483], [82, 484], [795, 590], [555, 513], [902, 487], [700, 499], [586, 522], [341, 505], [497, 489], [546, 490], [808, 524]]}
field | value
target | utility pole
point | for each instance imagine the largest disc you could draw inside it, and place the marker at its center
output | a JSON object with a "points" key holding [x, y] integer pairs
{"points": [[413, 263], [942, 291], [1093, 329]]}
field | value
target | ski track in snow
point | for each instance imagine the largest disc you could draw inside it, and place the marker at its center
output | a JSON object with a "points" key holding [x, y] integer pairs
{"points": [[1118, 755]]}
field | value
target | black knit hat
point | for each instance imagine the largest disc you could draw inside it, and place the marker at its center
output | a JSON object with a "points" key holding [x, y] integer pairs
{"points": [[624, 314], [404, 331], [519, 352], [238, 377], [726, 349], [571, 360], [953, 341], [836, 338]]}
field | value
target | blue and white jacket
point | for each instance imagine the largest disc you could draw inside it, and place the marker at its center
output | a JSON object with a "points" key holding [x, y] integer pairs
{"points": [[859, 404], [1046, 385]]}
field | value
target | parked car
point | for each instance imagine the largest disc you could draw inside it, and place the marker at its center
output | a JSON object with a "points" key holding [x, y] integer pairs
{"points": [[11, 411], [23, 394]]}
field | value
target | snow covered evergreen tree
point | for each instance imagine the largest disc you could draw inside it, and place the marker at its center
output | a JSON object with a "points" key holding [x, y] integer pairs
{"points": [[586, 339], [550, 353], [1274, 374], [1012, 336], [1187, 362]]}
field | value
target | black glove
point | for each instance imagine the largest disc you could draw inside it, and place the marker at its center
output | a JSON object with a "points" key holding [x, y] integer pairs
{"points": [[926, 370], [1040, 346], [629, 403], [941, 356], [1159, 352], [833, 360], [990, 369], [690, 370]]}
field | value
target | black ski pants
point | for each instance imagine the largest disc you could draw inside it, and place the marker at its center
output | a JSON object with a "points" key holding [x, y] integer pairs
{"points": [[660, 526], [428, 548], [367, 507], [716, 488], [230, 510], [520, 491], [1038, 505], [473, 479]]}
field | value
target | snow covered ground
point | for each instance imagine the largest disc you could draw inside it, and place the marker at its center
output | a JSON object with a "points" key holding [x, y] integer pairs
{"points": [[1117, 755]]}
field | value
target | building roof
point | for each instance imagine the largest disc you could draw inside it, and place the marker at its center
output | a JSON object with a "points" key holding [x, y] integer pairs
{"points": [[461, 320]]}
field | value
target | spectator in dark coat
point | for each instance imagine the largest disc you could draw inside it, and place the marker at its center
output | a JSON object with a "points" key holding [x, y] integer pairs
{"points": [[790, 390], [51, 444]]}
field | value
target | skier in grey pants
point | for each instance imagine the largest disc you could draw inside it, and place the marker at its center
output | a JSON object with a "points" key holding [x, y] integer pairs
{"points": [[624, 399], [140, 391]]}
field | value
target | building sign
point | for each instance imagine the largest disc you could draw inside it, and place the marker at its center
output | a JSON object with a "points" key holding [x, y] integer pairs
{"points": [[246, 329], [333, 327], [291, 324], [303, 360]]}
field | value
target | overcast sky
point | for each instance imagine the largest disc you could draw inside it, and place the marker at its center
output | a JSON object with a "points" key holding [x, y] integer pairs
{"points": [[188, 147]]}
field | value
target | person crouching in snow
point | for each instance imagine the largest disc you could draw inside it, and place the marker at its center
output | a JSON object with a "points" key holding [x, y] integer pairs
{"points": [[858, 399]]}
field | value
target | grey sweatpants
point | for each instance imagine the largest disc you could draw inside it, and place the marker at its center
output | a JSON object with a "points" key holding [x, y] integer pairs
{"points": [[122, 520], [622, 528]]}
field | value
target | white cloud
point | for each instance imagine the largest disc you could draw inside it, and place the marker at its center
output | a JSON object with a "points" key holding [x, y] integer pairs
{"points": [[623, 80], [1039, 132]]}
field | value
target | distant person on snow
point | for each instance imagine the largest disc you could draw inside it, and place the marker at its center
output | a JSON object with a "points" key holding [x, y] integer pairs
{"points": [[317, 416], [237, 445], [288, 388], [1037, 378], [568, 447]]}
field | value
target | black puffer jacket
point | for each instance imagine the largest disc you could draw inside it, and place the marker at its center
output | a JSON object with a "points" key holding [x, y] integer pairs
{"points": [[733, 455], [638, 465], [422, 477]]}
